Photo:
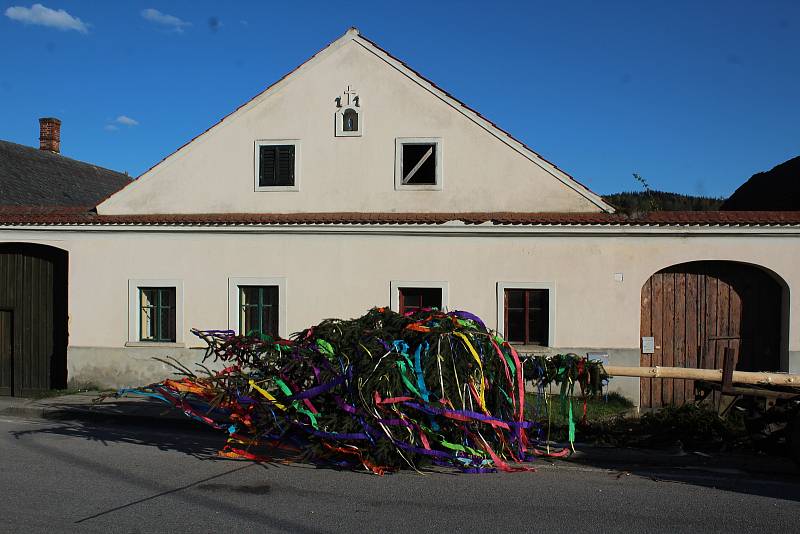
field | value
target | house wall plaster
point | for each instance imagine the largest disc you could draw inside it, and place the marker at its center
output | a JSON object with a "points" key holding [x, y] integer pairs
{"points": [[344, 275]]}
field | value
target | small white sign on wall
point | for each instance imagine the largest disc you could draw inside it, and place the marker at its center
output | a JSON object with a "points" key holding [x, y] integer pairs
{"points": [[648, 345]]}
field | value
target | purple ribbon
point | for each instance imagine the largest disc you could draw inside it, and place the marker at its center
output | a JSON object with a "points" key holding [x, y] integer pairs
{"points": [[471, 317]]}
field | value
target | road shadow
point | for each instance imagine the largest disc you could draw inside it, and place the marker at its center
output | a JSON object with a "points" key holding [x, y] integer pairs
{"points": [[200, 443], [194, 439], [752, 474]]}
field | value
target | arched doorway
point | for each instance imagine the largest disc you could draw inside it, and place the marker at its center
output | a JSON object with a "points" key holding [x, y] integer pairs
{"points": [[693, 311], [33, 318]]}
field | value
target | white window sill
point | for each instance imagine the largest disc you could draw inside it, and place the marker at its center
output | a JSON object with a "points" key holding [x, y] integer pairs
{"points": [[534, 350], [418, 187], [277, 188], [155, 344]]}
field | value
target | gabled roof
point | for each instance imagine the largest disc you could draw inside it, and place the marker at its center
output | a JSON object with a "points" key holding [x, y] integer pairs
{"points": [[476, 117], [33, 177], [353, 35]]}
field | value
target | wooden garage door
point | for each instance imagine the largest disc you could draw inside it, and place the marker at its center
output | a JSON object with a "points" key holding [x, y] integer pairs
{"points": [[6, 347], [33, 293], [695, 310]]}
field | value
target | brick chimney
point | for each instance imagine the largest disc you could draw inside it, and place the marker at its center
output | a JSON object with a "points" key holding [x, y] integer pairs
{"points": [[50, 134]]}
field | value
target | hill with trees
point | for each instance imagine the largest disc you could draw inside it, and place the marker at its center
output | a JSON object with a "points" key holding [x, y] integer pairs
{"points": [[634, 202]]}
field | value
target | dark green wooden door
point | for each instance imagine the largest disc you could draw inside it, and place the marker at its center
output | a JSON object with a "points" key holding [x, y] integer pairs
{"points": [[33, 285], [6, 352]]}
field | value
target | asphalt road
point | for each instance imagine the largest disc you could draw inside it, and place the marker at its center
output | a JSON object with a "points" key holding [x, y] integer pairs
{"points": [[65, 477]]}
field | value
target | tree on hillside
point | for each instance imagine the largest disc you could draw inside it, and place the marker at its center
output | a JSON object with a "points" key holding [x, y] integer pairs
{"points": [[638, 202]]}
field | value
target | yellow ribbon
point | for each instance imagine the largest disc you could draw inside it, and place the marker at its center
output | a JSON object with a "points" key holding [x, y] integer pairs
{"points": [[266, 395], [472, 351]]}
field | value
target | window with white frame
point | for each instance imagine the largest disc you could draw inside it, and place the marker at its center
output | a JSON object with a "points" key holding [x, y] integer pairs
{"points": [[277, 165], [418, 163], [257, 306], [526, 313], [155, 313], [415, 296]]}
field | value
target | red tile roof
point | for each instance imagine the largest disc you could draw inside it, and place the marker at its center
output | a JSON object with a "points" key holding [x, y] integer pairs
{"points": [[15, 216]]}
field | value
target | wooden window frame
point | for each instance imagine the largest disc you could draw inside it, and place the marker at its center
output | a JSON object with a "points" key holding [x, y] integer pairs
{"points": [[297, 165], [398, 164], [259, 306], [396, 285], [156, 309], [403, 308], [235, 305], [135, 306], [551, 301]]}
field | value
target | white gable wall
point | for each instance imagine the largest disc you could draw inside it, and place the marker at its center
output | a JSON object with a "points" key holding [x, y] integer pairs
{"points": [[215, 173]]}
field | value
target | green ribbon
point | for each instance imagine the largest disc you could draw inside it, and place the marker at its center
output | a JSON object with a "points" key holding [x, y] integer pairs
{"points": [[325, 347]]}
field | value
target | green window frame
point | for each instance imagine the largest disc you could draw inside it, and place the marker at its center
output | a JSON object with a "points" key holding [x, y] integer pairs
{"points": [[258, 310], [157, 314]]}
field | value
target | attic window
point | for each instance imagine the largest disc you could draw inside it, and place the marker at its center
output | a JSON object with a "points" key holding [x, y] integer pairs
{"points": [[277, 164], [418, 164]]}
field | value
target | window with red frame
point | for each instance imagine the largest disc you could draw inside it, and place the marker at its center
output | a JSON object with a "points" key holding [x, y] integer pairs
{"points": [[527, 316], [417, 298]]}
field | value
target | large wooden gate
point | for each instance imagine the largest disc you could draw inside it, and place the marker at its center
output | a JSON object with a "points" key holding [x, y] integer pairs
{"points": [[695, 310], [6, 352], [33, 318]]}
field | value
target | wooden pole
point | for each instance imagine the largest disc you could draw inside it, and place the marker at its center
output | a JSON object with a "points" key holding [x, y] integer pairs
{"points": [[710, 375]]}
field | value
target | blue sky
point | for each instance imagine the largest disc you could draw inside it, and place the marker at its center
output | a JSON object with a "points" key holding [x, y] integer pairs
{"points": [[695, 96]]}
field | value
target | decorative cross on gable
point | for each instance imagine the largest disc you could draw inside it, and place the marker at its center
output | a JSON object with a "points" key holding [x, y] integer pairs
{"points": [[348, 116], [352, 96]]}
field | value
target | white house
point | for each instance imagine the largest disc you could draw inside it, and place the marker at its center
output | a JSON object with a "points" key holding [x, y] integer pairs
{"points": [[354, 182]]}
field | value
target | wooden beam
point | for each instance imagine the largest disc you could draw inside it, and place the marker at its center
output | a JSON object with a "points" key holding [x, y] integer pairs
{"points": [[710, 375]]}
